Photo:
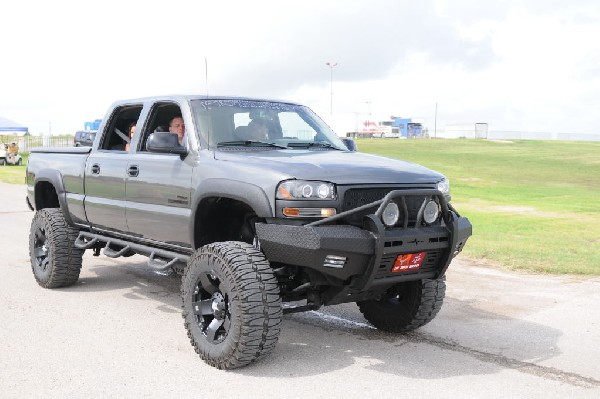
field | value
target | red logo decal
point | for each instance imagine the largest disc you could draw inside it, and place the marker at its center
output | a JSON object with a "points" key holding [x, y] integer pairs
{"points": [[408, 262]]}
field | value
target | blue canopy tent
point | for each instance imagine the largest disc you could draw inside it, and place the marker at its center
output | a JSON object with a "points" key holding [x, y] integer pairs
{"points": [[9, 127]]}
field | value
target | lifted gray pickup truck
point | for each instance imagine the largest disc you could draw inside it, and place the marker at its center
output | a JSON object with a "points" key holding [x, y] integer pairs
{"points": [[259, 206]]}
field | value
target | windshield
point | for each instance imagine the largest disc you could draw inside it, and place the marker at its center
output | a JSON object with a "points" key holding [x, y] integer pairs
{"points": [[236, 122]]}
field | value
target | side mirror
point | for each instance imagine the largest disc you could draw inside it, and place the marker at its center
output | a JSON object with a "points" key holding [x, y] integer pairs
{"points": [[166, 143], [350, 144]]}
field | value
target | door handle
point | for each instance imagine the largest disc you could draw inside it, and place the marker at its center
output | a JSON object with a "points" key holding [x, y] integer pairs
{"points": [[95, 169], [133, 171]]}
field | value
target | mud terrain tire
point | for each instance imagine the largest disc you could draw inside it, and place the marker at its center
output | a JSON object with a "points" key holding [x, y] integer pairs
{"points": [[231, 304], [406, 306], [55, 261]]}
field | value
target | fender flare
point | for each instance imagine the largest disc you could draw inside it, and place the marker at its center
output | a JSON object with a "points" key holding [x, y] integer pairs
{"points": [[54, 177], [247, 193]]}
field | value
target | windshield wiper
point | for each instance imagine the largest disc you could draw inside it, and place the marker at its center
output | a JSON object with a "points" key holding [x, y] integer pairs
{"points": [[248, 143], [320, 144]]}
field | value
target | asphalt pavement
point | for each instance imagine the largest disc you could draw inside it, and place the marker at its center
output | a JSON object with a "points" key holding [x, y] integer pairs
{"points": [[118, 332]]}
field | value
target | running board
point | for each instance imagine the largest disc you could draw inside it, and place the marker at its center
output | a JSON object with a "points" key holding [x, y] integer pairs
{"points": [[159, 260]]}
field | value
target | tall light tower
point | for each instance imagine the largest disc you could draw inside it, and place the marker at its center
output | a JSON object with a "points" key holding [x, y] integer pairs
{"points": [[368, 127], [331, 65]]}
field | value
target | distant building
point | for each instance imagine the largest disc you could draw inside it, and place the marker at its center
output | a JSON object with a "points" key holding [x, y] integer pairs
{"points": [[366, 125]]}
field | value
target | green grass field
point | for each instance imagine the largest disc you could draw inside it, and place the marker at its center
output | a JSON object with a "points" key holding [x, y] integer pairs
{"points": [[14, 174], [534, 205]]}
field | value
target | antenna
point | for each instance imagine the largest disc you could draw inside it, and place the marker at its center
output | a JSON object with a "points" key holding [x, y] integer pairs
{"points": [[206, 74], [206, 82]]}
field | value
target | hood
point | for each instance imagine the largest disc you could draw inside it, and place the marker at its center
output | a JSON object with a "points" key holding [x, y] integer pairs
{"points": [[338, 167]]}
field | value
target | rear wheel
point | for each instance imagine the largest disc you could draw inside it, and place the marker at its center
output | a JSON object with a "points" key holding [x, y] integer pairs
{"points": [[406, 306], [231, 304], [55, 261]]}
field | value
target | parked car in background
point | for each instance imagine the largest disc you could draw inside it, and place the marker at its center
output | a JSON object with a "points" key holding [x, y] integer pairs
{"points": [[84, 138]]}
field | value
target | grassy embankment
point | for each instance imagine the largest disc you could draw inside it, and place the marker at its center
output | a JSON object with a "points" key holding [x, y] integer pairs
{"points": [[534, 205]]}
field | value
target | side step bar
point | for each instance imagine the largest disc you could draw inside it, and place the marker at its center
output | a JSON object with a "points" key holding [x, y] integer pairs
{"points": [[159, 260]]}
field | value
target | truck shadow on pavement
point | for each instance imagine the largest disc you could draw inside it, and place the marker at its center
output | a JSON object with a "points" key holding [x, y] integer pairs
{"points": [[134, 276], [422, 354], [313, 343]]}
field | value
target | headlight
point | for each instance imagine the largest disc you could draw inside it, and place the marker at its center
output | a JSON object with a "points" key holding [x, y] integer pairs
{"points": [[444, 186], [300, 189]]}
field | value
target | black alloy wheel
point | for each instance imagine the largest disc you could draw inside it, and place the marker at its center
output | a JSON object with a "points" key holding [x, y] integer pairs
{"points": [[231, 304], [212, 308], [55, 260], [40, 249]]}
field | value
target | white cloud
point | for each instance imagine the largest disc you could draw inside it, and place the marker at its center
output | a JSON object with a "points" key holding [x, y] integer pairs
{"points": [[529, 66]]}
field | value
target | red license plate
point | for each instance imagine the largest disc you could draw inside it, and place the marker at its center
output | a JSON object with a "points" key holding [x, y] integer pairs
{"points": [[408, 262]]}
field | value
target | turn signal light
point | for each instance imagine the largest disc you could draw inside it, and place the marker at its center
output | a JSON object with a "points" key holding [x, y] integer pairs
{"points": [[308, 212]]}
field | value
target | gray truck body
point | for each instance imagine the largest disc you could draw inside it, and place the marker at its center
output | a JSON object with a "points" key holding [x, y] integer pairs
{"points": [[318, 211]]}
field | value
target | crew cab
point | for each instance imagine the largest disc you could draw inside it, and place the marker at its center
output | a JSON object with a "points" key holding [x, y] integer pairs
{"points": [[257, 226]]}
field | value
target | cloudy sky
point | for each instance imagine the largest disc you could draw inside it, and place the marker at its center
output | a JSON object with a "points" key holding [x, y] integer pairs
{"points": [[529, 65]]}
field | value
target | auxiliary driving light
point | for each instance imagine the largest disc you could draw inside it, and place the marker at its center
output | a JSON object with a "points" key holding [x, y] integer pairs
{"points": [[390, 214], [431, 212]]}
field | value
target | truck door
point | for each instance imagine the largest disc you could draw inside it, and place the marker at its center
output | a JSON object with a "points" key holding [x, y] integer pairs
{"points": [[158, 186], [106, 171]]}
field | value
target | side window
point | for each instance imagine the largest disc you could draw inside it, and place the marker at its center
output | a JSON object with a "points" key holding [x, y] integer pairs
{"points": [[117, 134], [164, 117]]}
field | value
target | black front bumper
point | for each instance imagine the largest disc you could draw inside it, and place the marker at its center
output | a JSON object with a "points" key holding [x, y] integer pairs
{"points": [[370, 251]]}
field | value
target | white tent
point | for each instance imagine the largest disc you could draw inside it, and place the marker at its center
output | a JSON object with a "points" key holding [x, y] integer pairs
{"points": [[9, 127]]}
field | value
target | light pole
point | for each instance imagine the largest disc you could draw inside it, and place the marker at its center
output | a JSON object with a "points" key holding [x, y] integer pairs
{"points": [[331, 65], [368, 126]]}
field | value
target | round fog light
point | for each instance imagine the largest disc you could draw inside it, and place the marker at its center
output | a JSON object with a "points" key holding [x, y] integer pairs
{"points": [[390, 215], [431, 212]]}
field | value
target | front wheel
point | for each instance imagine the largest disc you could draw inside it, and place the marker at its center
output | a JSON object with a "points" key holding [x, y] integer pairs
{"points": [[405, 306], [55, 260], [231, 304]]}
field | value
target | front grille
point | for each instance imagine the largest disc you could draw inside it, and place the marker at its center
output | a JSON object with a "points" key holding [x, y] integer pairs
{"points": [[430, 264], [355, 197]]}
